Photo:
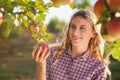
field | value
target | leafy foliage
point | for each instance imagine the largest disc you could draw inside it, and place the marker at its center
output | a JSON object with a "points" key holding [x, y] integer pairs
{"points": [[116, 50], [22, 13], [83, 4]]}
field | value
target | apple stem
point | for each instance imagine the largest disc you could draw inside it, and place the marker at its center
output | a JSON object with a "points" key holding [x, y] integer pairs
{"points": [[106, 4], [108, 8]]}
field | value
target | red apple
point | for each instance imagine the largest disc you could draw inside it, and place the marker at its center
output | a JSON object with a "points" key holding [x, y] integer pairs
{"points": [[114, 5], [1, 18], [45, 46], [105, 34], [60, 2], [99, 8], [113, 27]]}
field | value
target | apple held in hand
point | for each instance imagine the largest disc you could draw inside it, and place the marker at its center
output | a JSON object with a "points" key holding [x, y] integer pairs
{"points": [[114, 5], [57, 3], [99, 8], [45, 46], [113, 27]]}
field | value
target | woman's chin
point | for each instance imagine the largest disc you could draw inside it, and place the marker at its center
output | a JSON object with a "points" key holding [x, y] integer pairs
{"points": [[75, 44]]}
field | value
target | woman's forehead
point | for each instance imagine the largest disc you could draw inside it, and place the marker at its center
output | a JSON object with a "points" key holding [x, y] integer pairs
{"points": [[80, 20]]}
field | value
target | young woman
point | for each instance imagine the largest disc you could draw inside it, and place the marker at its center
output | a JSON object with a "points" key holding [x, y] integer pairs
{"points": [[80, 55]]}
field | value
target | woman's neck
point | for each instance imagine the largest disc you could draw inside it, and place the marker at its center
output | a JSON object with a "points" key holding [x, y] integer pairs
{"points": [[77, 51]]}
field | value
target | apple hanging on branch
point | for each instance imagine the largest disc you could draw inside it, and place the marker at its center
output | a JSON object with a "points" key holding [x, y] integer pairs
{"points": [[39, 33], [105, 35], [113, 28], [105, 11], [114, 5], [99, 8]]}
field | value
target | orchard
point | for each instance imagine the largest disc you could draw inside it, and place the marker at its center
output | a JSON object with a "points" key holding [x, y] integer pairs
{"points": [[29, 15]]}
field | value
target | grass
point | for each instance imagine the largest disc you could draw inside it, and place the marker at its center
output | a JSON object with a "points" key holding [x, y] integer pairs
{"points": [[17, 67], [16, 62]]}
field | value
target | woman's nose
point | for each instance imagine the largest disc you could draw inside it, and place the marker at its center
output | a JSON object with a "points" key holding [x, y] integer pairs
{"points": [[76, 31]]}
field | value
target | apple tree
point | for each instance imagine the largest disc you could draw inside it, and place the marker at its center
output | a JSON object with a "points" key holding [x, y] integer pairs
{"points": [[28, 14]]}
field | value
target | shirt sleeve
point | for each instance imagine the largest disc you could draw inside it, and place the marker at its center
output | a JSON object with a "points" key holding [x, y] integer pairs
{"points": [[100, 73]]}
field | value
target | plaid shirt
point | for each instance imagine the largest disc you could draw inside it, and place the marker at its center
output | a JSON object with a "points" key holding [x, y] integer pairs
{"points": [[84, 67]]}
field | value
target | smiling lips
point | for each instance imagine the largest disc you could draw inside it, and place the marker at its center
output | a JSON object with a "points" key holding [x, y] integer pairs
{"points": [[75, 38]]}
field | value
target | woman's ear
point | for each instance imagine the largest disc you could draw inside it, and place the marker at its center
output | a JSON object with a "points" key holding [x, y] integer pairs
{"points": [[94, 34]]}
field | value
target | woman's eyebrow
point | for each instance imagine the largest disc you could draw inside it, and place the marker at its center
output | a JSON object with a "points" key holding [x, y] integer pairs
{"points": [[72, 24], [83, 25]]}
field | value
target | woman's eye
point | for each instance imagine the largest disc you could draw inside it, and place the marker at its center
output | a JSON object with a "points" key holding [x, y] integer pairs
{"points": [[72, 26], [82, 28]]}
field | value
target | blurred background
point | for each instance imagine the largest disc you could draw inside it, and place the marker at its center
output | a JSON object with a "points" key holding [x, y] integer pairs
{"points": [[17, 37]]}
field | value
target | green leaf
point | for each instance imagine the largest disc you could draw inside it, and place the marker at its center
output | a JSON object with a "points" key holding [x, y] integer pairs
{"points": [[43, 28], [72, 5], [5, 31], [49, 4], [115, 51], [25, 1], [7, 26], [25, 22], [40, 5], [82, 4], [31, 15], [116, 54], [40, 17]]}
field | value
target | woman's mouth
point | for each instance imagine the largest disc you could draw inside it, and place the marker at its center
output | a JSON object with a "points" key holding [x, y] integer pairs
{"points": [[75, 38]]}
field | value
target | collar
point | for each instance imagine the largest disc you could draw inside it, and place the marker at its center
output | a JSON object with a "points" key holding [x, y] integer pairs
{"points": [[83, 57]]}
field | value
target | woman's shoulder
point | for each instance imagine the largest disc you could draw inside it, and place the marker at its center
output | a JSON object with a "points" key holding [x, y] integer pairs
{"points": [[98, 63], [95, 61]]}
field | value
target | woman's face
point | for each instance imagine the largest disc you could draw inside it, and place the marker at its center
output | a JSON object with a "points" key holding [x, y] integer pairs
{"points": [[80, 31]]}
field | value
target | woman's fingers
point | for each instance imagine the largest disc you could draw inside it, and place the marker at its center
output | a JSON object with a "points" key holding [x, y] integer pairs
{"points": [[35, 46], [46, 55], [42, 57], [40, 53], [34, 51]]}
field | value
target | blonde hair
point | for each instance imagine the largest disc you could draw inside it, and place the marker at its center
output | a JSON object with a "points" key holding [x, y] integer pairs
{"points": [[96, 44]]}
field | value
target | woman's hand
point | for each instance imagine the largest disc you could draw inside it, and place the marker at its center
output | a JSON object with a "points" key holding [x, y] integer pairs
{"points": [[40, 53]]}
